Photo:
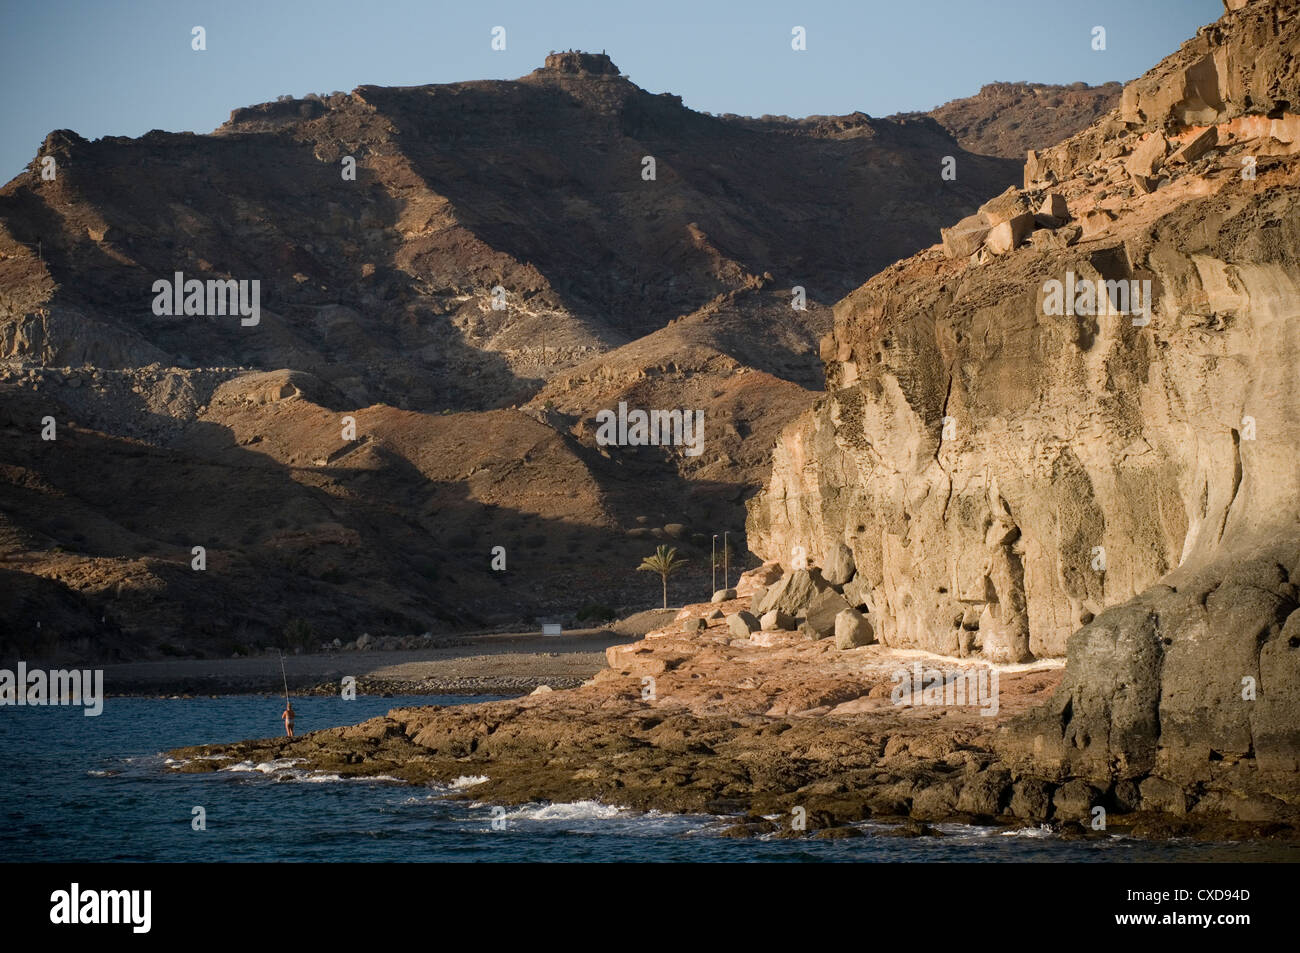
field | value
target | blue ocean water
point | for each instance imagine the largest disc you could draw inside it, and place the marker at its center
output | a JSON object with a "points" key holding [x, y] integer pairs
{"points": [[74, 788]]}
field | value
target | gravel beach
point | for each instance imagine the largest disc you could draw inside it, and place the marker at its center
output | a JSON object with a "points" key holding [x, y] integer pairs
{"points": [[504, 664]]}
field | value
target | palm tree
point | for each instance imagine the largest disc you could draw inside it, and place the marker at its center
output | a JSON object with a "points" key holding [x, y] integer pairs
{"points": [[665, 562]]}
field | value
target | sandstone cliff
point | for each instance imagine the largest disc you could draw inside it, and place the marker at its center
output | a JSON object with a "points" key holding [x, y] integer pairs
{"points": [[1017, 479]]}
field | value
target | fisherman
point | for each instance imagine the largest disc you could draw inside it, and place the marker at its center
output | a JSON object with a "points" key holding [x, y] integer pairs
{"points": [[288, 718]]}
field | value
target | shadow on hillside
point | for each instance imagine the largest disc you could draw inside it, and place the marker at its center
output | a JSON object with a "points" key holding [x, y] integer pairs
{"points": [[253, 220], [294, 555]]}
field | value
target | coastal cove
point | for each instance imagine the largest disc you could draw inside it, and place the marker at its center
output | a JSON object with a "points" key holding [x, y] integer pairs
{"points": [[117, 798]]}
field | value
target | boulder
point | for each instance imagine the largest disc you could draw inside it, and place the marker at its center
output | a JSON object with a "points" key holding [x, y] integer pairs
{"points": [[1053, 213], [756, 602], [1195, 147], [1031, 799], [1161, 795], [965, 237], [723, 595], [857, 592], [1009, 234], [692, 626], [765, 574], [852, 629], [1037, 172], [1147, 159], [1276, 729], [984, 793], [1126, 797], [1097, 220], [1055, 238], [715, 614], [1144, 184], [1074, 800], [821, 612], [1003, 208], [775, 619], [839, 566], [742, 624], [794, 592], [1054, 205], [619, 657]]}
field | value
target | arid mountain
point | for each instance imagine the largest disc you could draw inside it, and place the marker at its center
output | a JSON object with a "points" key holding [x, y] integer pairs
{"points": [[1008, 119], [1070, 429], [433, 340]]}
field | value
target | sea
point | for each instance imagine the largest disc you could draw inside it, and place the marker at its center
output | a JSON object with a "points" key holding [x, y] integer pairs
{"points": [[102, 789]]}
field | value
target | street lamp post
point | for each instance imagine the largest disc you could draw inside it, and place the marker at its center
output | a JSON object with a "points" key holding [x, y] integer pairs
{"points": [[726, 572], [714, 562]]}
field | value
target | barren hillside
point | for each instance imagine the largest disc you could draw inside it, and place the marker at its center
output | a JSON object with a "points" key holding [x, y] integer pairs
{"points": [[504, 264]]}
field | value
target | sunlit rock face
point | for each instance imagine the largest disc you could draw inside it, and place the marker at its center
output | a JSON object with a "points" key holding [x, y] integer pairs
{"points": [[1088, 441]]}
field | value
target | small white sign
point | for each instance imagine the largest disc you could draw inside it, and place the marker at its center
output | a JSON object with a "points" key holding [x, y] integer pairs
{"points": [[550, 628]]}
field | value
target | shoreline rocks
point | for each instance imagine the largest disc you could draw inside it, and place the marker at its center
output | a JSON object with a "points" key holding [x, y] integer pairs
{"points": [[735, 727]]}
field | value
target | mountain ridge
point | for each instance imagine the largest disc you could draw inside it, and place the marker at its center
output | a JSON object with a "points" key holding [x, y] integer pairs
{"points": [[377, 304]]}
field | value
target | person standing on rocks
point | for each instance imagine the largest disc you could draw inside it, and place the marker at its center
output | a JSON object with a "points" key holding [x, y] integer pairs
{"points": [[288, 718]]}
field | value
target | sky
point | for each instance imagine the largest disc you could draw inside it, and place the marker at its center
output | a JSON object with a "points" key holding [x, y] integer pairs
{"points": [[113, 67]]}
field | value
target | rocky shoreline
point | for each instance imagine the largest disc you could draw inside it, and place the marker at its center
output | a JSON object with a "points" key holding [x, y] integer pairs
{"points": [[752, 728]]}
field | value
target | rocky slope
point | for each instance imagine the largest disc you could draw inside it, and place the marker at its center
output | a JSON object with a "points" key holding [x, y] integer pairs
{"points": [[1008, 119], [474, 424], [1020, 479]]}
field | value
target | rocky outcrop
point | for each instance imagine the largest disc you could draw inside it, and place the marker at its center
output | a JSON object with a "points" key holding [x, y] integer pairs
{"points": [[575, 61], [1074, 445], [1242, 67], [1195, 682]]}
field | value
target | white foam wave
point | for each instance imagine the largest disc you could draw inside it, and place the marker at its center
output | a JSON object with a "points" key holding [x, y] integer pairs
{"points": [[570, 811], [1036, 833], [467, 781], [265, 767], [286, 770], [310, 777]]}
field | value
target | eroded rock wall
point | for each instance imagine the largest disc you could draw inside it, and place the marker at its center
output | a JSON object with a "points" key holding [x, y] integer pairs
{"points": [[1003, 473], [1115, 483]]}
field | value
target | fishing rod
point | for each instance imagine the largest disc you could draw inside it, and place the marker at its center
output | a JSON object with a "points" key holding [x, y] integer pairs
{"points": [[286, 679]]}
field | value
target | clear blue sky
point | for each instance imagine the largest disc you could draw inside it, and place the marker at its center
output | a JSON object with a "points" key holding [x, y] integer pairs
{"points": [[111, 67]]}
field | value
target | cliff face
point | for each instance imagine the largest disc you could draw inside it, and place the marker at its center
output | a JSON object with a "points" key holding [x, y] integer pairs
{"points": [[1017, 477]]}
